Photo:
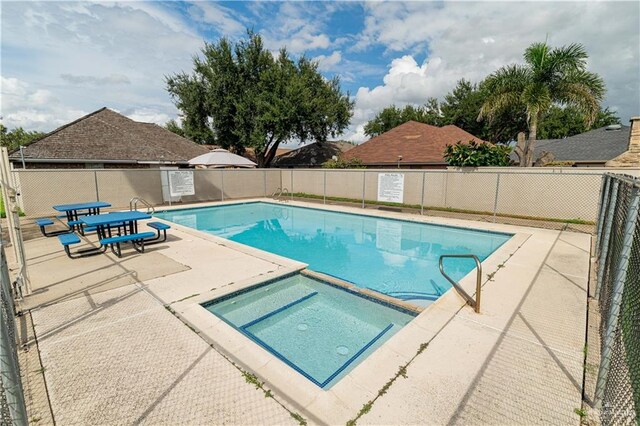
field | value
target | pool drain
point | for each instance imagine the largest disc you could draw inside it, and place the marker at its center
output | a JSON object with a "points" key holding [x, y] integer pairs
{"points": [[342, 350], [303, 327]]}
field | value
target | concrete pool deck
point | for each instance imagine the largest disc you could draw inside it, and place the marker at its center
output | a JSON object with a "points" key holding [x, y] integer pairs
{"points": [[117, 355]]}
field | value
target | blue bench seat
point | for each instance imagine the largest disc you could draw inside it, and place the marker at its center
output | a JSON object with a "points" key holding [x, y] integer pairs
{"points": [[70, 239], [159, 227], [138, 241], [43, 223]]}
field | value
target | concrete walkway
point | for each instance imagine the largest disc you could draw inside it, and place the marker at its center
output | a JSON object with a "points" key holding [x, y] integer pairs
{"points": [[120, 357], [519, 362], [117, 355]]}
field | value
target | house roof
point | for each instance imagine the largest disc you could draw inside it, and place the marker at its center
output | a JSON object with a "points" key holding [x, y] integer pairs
{"points": [[417, 143], [106, 136], [312, 155], [598, 145]]}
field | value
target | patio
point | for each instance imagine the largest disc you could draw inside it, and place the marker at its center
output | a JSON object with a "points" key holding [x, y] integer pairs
{"points": [[113, 351]]}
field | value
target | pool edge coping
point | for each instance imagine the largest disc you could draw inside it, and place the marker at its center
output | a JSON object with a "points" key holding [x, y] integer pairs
{"points": [[354, 389]]}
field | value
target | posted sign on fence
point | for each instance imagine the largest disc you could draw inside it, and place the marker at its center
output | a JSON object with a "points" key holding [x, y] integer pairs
{"points": [[181, 183], [391, 187]]}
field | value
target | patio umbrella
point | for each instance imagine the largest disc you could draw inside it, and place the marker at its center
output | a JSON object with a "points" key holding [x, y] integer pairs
{"points": [[221, 158]]}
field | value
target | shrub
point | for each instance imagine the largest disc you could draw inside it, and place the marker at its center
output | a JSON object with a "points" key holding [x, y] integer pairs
{"points": [[474, 154]]}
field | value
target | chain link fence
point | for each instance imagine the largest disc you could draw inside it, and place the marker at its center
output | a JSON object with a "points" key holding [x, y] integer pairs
{"points": [[12, 404], [617, 394]]}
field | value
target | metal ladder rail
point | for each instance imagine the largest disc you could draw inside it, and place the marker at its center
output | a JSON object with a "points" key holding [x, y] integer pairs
{"points": [[277, 193], [474, 303], [133, 204], [284, 194]]}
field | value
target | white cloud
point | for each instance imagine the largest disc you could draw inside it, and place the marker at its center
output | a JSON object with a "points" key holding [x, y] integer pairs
{"points": [[72, 58], [32, 109], [471, 40], [298, 26], [328, 63], [147, 115], [218, 17], [112, 79]]}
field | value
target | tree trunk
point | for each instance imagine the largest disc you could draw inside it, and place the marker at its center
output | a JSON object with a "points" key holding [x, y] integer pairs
{"points": [[260, 159], [271, 153], [519, 149], [531, 142]]}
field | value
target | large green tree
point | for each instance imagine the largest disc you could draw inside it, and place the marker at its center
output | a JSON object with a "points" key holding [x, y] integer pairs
{"points": [[392, 116], [558, 123], [550, 76], [18, 136], [239, 96], [459, 107]]}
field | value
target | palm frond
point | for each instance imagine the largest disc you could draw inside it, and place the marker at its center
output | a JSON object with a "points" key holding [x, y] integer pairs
{"points": [[503, 89], [536, 55], [583, 90], [568, 58]]}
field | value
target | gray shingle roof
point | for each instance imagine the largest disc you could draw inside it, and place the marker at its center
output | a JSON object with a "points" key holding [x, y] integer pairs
{"points": [[312, 155], [105, 135], [598, 145]]}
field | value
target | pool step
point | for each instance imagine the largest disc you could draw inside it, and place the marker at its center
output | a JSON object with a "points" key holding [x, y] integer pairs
{"points": [[277, 311]]}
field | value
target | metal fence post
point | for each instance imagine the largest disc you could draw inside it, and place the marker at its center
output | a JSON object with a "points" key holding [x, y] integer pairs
{"points": [[364, 182], [618, 289], [264, 172], [495, 202], [324, 193], [168, 187], [604, 196], [95, 179], [424, 177], [222, 184], [602, 258]]}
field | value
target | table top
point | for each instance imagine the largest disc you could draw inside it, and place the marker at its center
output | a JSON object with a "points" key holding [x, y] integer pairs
{"points": [[81, 206], [108, 218]]}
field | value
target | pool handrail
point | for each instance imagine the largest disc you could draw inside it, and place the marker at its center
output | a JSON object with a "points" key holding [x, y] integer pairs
{"points": [[133, 204], [474, 303], [279, 193]]}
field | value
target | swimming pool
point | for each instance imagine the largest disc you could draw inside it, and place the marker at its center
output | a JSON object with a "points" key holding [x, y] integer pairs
{"points": [[394, 257], [318, 329]]}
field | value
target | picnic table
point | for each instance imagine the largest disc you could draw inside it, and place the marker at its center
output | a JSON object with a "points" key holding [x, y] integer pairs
{"points": [[103, 223], [125, 222], [71, 210]]}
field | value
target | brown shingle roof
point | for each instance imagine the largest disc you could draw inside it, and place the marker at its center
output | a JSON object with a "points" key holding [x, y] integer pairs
{"points": [[417, 143], [105, 135]]}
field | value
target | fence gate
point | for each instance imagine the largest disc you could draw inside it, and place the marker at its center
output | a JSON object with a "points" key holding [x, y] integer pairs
{"points": [[617, 395]]}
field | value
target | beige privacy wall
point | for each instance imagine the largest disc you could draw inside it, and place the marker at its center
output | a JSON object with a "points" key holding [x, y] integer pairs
{"points": [[541, 192], [42, 189]]}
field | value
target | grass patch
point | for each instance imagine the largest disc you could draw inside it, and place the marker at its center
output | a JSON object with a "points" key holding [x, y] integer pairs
{"points": [[402, 372], [575, 221], [3, 213]]}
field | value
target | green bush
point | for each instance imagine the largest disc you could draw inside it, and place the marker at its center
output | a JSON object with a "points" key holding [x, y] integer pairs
{"points": [[474, 154], [354, 163]]}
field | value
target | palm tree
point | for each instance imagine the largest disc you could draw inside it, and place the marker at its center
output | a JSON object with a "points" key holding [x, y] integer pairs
{"points": [[549, 76]]}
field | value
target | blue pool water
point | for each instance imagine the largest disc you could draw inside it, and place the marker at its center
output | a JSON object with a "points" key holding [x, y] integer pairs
{"points": [[394, 257], [319, 330]]}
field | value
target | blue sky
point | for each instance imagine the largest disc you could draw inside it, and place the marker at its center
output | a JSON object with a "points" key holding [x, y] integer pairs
{"points": [[61, 60]]}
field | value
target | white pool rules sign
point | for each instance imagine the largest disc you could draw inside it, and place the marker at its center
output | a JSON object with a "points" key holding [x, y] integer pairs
{"points": [[181, 183], [391, 187]]}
